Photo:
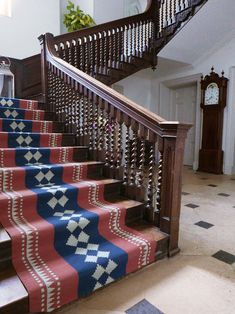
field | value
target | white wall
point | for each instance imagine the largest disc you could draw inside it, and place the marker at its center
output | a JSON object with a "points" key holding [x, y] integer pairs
{"points": [[30, 18], [138, 87]]}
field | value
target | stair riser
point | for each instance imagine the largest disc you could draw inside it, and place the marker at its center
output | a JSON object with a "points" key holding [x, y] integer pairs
{"points": [[14, 140], [9, 125], [19, 103], [24, 157], [36, 115]]}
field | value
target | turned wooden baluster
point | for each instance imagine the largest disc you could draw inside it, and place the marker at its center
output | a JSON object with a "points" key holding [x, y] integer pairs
{"points": [[127, 154], [127, 48], [118, 47], [91, 120], [113, 114], [96, 51], [170, 19], [131, 43], [150, 187], [141, 169], [96, 100], [107, 135], [119, 143], [133, 155], [110, 46], [101, 52], [159, 182], [75, 54], [101, 129], [86, 117], [114, 48], [122, 43]]}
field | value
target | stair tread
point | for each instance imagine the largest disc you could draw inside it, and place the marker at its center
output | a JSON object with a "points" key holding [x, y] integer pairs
{"points": [[57, 165], [11, 288], [28, 133], [21, 120], [42, 148], [125, 202], [148, 229]]}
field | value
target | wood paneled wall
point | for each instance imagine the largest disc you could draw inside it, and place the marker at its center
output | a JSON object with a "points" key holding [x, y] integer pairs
{"points": [[28, 77]]}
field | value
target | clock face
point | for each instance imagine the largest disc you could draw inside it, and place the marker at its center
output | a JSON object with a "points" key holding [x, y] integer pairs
{"points": [[212, 94]]}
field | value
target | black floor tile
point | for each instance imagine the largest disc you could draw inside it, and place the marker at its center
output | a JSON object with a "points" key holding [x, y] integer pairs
{"points": [[192, 205], [144, 307], [212, 185], [204, 224], [225, 257], [224, 194]]}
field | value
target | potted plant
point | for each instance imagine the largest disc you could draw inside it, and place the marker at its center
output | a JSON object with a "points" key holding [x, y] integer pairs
{"points": [[76, 19]]}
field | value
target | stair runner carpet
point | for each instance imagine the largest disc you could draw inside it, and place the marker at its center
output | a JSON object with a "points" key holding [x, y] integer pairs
{"points": [[67, 241]]}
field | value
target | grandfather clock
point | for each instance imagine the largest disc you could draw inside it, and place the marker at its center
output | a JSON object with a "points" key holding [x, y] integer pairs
{"points": [[213, 102]]}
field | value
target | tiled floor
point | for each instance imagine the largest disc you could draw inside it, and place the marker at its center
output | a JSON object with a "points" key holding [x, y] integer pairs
{"points": [[201, 279]]}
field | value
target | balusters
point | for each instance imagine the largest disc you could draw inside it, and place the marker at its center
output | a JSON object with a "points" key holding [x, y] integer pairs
{"points": [[159, 182], [119, 141], [96, 123], [133, 158], [112, 129], [90, 120], [101, 129], [107, 137], [140, 179], [81, 118], [75, 54], [127, 155], [150, 185]]}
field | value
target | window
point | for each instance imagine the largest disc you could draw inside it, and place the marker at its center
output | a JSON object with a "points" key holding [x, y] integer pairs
{"points": [[5, 7]]}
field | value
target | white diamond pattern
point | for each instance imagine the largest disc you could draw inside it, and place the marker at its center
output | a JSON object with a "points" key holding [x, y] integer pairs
{"points": [[29, 156], [91, 251], [9, 102], [100, 271], [20, 140], [41, 176], [13, 114], [14, 125], [62, 201]]}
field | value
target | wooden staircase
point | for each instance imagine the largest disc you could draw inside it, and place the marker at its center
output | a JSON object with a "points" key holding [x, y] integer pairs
{"points": [[112, 135]]}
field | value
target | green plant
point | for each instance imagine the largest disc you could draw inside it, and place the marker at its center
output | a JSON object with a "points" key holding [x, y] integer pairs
{"points": [[76, 19]]}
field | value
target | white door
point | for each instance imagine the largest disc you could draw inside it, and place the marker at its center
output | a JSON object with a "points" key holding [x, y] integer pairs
{"points": [[183, 109]]}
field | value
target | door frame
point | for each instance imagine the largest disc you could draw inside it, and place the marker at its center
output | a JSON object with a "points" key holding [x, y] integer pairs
{"points": [[168, 86]]}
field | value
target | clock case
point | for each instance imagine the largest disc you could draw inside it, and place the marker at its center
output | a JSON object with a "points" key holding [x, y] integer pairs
{"points": [[211, 154]]}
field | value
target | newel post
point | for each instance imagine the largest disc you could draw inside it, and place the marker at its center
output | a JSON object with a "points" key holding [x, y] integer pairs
{"points": [[173, 155], [155, 17], [44, 69]]}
